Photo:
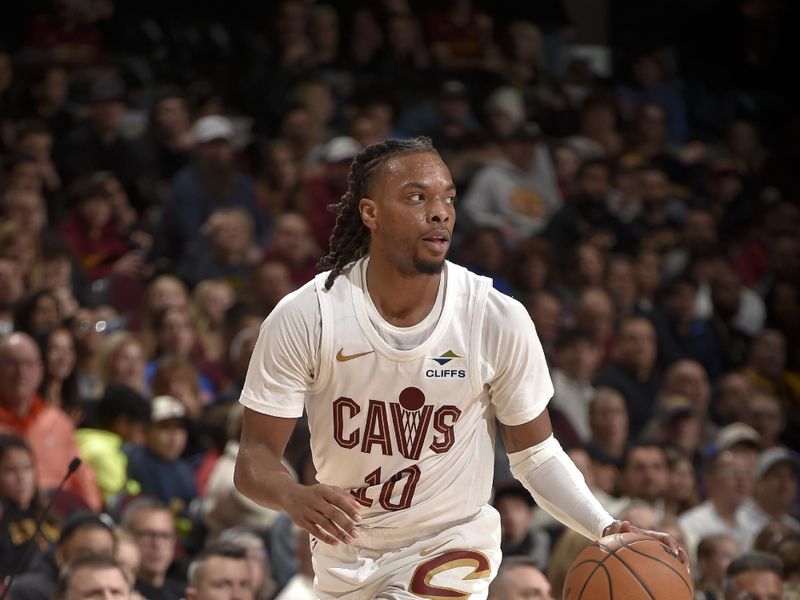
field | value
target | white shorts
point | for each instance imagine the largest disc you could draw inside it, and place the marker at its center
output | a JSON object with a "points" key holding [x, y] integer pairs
{"points": [[411, 564]]}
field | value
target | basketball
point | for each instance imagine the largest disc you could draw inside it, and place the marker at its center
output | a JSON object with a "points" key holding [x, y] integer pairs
{"points": [[628, 566]]}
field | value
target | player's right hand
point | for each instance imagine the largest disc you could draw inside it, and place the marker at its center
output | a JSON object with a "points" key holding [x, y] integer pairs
{"points": [[327, 512]]}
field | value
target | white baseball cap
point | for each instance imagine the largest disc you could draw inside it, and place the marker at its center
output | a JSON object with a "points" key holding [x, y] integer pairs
{"points": [[340, 148], [212, 127], [166, 408], [774, 456]]}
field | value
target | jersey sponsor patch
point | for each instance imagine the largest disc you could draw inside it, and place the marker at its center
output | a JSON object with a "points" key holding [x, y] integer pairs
{"points": [[450, 366]]}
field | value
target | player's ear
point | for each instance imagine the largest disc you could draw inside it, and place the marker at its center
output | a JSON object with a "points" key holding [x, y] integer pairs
{"points": [[368, 209]]}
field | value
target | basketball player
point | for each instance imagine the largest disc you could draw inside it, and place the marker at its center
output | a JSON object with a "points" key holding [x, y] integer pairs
{"points": [[403, 360]]}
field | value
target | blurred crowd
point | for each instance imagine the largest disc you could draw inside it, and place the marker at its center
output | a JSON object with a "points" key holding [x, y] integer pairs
{"points": [[628, 170]]}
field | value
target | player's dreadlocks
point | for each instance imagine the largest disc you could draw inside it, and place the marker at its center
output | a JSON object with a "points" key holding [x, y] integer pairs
{"points": [[350, 238]]}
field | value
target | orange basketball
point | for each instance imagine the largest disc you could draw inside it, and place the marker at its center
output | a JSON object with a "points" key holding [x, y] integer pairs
{"points": [[628, 566]]}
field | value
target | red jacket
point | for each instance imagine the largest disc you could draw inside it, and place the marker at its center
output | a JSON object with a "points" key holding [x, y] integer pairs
{"points": [[50, 434]]}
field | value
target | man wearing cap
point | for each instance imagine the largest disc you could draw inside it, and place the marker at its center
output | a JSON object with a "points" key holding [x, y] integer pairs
{"points": [[83, 534], [728, 480], [211, 181], [516, 194], [775, 492], [327, 187], [676, 423], [99, 145], [157, 466]]}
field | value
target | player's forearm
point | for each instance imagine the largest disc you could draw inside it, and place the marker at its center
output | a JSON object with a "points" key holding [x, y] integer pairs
{"points": [[261, 476], [557, 486]]}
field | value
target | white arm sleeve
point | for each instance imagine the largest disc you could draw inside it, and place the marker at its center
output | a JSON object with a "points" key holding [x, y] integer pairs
{"points": [[558, 487]]}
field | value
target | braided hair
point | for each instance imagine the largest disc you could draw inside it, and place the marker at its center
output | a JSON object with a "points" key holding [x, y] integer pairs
{"points": [[350, 238]]}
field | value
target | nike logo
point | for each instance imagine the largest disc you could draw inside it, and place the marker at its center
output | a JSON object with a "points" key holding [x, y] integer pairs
{"points": [[434, 549], [345, 357]]}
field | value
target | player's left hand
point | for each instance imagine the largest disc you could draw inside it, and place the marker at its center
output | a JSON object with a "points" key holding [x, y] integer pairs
{"points": [[664, 538]]}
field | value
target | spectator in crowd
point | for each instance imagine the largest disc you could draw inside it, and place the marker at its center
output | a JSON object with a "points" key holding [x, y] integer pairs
{"points": [[60, 381], [775, 491], [754, 574], [632, 370], [253, 544], [728, 481], [402, 63], [327, 187], [677, 423], [37, 313], [766, 368], [644, 477], [152, 526], [83, 534], [293, 243], [586, 212], [209, 182], [92, 576], [576, 360], [162, 292], [517, 578], [120, 419], [224, 506], [96, 242], [650, 83], [547, 312], [241, 348], [737, 312], [517, 195], [47, 429], [122, 360], [98, 144], [210, 301], [26, 208], [165, 146], [683, 492], [764, 413], [216, 568], [532, 266], [21, 504], [49, 95], [714, 554], [271, 280], [597, 136], [227, 249], [175, 335], [608, 422], [620, 282], [129, 557], [729, 398], [519, 537], [483, 251], [89, 332], [279, 180], [157, 466]]}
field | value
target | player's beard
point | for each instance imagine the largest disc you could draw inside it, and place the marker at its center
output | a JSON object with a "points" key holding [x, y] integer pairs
{"points": [[428, 267]]}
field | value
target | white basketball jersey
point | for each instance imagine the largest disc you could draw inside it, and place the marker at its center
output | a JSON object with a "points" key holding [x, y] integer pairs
{"points": [[410, 432]]}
